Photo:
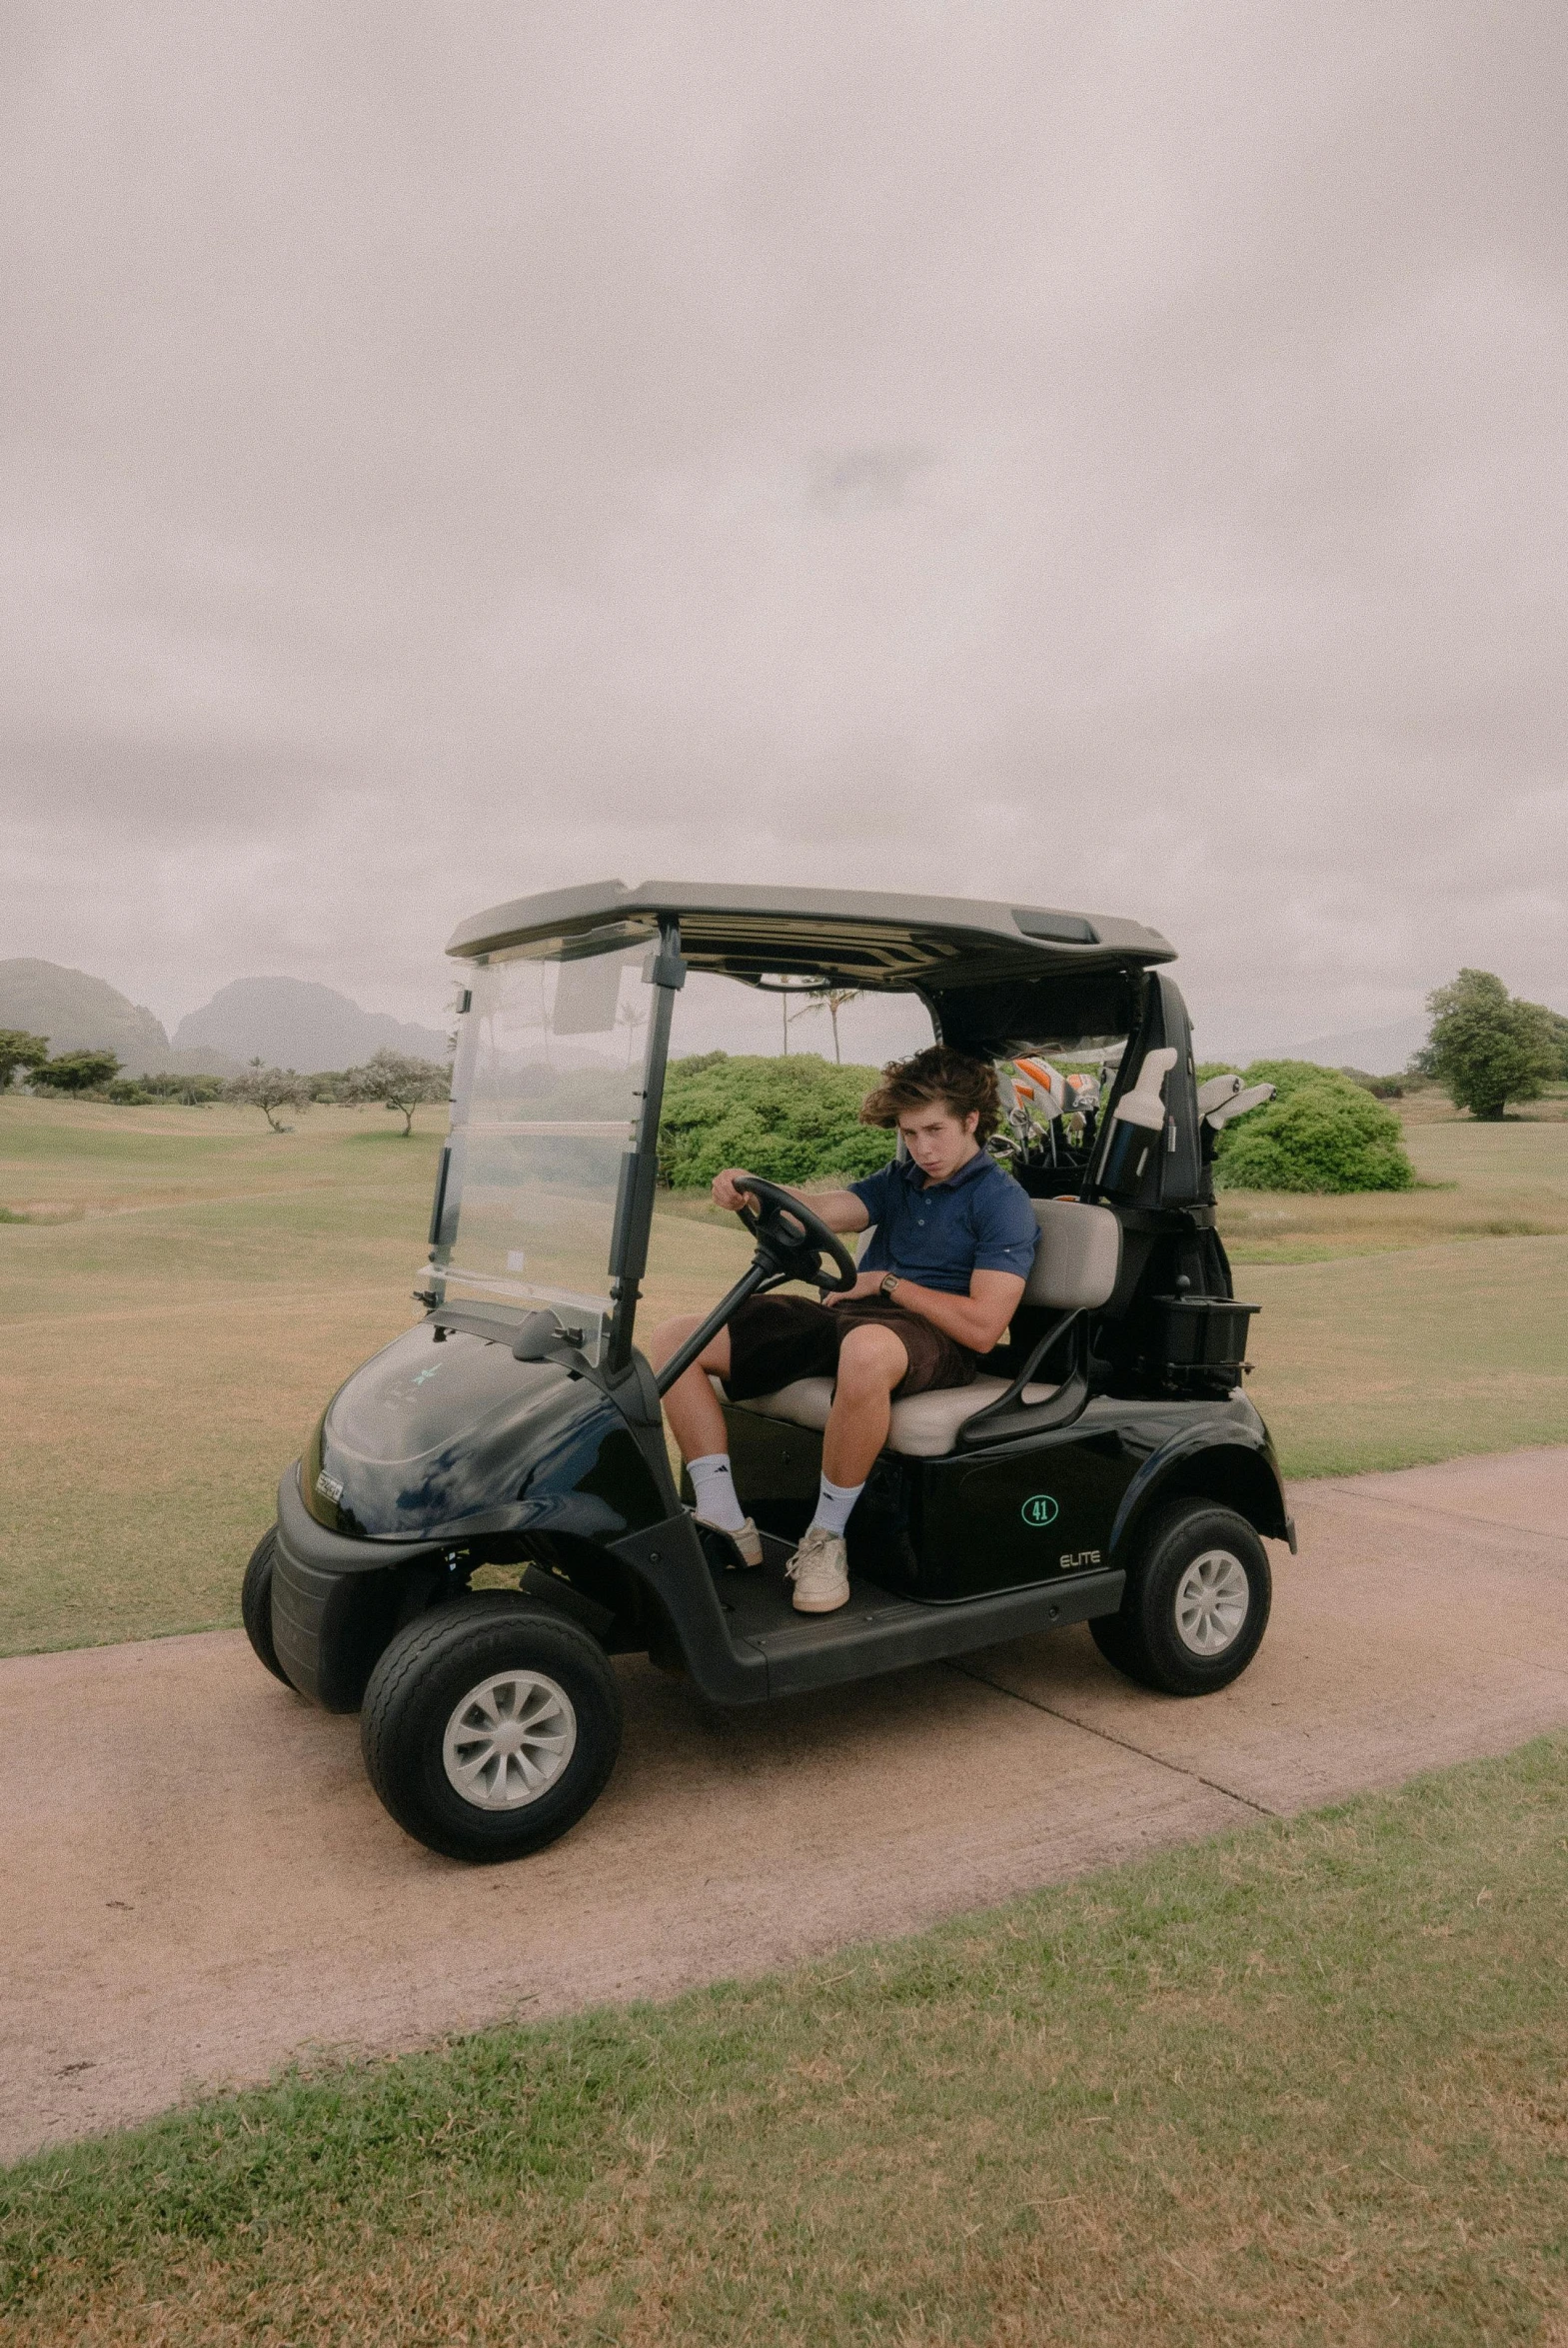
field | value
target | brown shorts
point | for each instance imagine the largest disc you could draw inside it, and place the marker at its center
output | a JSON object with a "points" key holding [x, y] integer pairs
{"points": [[776, 1340]]}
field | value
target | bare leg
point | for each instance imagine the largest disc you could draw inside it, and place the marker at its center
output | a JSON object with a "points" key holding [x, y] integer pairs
{"points": [[694, 1410], [872, 1362]]}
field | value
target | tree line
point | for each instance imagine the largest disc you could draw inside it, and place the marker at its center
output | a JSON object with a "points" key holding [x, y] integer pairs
{"points": [[796, 1119], [396, 1081]]}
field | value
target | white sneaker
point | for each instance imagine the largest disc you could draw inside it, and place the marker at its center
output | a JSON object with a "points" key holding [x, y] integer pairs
{"points": [[819, 1570], [747, 1541]]}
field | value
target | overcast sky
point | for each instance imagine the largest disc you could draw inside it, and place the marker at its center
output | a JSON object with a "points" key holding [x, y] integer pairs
{"points": [[1099, 456]]}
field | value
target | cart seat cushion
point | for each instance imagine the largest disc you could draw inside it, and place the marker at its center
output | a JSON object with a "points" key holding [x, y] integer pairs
{"points": [[1078, 1258], [925, 1427]]}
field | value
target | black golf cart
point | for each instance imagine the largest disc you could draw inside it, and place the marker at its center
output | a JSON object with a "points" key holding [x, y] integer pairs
{"points": [[486, 1512]]}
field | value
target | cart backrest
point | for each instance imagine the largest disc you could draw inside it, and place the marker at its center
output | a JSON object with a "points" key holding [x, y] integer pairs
{"points": [[1078, 1258], [1077, 1262]]}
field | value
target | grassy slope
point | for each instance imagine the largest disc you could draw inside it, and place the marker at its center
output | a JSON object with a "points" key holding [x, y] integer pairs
{"points": [[205, 1285], [165, 1356], [1475, 1182], [1391, 1359], [1303, 2084], [190, 1292], [1383, 1343]]}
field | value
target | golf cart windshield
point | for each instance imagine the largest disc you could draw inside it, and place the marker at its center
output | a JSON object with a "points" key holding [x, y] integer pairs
{"points": [[544, 1094]]}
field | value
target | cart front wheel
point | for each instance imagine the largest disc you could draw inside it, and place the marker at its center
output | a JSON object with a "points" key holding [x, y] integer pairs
{"points": [[1197, 1602], [256, 1606], [490, 1726]]}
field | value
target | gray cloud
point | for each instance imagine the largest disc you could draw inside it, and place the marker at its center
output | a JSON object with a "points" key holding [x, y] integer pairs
{"points": [[1106, 457]]}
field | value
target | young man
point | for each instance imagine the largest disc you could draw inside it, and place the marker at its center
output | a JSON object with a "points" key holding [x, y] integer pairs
{"points": [[955, 1239]]}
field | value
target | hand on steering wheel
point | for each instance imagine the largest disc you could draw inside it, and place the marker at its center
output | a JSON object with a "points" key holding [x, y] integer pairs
{"points": [[795, 1238]]}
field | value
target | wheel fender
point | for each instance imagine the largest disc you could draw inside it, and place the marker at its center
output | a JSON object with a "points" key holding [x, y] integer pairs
{"points": [[1235, 1469]]}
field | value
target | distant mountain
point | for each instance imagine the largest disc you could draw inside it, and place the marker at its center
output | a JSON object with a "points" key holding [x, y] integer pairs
{"points": [[203, 1061], [1381, 1052], [78, 1013], [298, 1024]]}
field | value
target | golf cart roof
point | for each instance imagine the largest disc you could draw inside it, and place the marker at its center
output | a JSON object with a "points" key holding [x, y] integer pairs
{"points": [[858, 937]]}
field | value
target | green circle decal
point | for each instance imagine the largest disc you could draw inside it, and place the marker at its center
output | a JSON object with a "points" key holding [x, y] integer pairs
{"points": [[1040, 1509]]}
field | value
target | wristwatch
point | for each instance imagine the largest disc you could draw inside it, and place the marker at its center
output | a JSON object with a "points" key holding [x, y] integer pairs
{"points": [[887, 1285]]}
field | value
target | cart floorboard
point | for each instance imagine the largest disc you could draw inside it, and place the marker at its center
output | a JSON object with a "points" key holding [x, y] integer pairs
{"points": [[881, 1631]]}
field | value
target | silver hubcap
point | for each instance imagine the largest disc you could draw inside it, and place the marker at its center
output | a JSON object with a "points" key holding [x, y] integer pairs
{"points": [[509, 1740], [1211, 1603]]}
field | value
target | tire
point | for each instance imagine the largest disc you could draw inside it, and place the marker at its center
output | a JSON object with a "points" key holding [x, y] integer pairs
{"points": [[1197, 1602], [434, 1694], [256, 1606]]}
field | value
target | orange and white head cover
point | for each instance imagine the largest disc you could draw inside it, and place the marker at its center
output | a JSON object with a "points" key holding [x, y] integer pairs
{"points": [[1040, 1087]]}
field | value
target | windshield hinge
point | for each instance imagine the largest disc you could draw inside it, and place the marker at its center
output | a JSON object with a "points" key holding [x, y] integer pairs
{"points": [[666, 967]]}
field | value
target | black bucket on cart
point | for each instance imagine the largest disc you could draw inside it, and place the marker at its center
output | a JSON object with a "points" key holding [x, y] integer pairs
{"points": [[1200, 1343]]}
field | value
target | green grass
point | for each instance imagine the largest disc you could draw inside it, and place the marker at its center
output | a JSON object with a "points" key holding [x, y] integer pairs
{"points": [[1392, 1359], [1401, 1327], [186, 1293], [187, 1290], [1303, 2084], [1474, 1181]]}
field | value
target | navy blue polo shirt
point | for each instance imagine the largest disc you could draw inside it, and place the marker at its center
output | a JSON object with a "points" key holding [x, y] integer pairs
{"points": [[939, 1235]]}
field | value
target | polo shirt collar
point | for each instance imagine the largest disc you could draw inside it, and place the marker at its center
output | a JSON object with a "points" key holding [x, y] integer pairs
{"points": [[967, 1172]]}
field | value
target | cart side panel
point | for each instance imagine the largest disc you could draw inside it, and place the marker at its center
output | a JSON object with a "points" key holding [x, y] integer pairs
{"points": [[776, 1466], [968, 1526]]}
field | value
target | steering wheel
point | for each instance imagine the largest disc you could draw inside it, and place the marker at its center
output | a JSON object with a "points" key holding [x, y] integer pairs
{"points": [[793, 1239], [791, 1243]]}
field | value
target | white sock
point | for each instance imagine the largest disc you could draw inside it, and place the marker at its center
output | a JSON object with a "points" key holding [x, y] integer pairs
{"points": [[717, 1501], [833, 1503]]}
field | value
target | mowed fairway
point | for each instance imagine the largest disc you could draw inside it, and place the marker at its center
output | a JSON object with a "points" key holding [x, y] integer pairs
{"points": [[188, 1290], [1405, 1326], [192, 1291]]}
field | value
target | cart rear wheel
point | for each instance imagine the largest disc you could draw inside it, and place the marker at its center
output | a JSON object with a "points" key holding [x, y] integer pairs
{"points": [[490, 1726], [1197, 1602], [255, 1605]]}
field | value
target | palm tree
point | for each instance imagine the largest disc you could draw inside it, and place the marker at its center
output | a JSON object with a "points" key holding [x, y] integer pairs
{"points": [[631, 1016], [782, 986], [833, 1001]]}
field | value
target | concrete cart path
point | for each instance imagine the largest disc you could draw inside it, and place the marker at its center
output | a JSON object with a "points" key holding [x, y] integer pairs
{"points": [[199, 1881]]}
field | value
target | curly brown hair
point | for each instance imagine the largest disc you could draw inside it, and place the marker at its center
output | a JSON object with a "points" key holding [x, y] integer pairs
{"points": [[962, 1085]]}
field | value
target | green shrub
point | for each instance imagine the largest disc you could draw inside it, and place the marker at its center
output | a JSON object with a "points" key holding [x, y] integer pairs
{"points": [[130, 1092], [77, 1072], [792, 1120], [192, 1092], [1380, 1087], [1321, 1131], [1293, 1075]]}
